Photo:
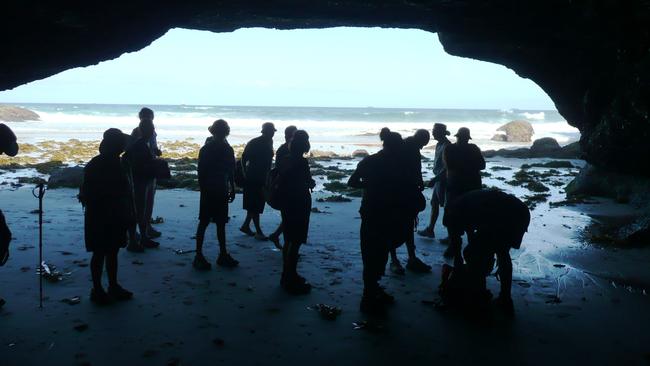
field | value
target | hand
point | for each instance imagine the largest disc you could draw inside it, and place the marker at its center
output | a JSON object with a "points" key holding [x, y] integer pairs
{"points": [[158, 152], [231, 196]]}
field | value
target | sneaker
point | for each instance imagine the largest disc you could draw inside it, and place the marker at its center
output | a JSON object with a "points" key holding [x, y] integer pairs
{"points": [[384, 296], [505, 304], [396, 268], [153, 233], [118, 293], [296, 287], [100, 297], [261, 237], [201, 264], [135, 247], [427, 233], [149, 244], [247, 231], [225, 260], [275, 239], [372, 305], [417, 266]]}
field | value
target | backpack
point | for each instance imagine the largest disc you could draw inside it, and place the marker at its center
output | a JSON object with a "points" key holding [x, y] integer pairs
{"points": [[239, 174], [272, 188]]}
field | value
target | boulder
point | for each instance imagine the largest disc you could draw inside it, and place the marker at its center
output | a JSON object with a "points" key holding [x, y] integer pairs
{"points": [[66, 178], [515, 131], [544, 147], [360, 153], [10, 113], [596, 181]]}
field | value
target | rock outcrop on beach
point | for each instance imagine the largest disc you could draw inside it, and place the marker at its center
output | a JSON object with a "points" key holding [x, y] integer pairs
{"points": [[515, 131], [71, 177], [591, 58], [10, 113], [545, 147]]}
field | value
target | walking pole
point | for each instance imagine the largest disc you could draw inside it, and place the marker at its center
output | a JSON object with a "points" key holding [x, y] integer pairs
{"points": [[41, 193]]}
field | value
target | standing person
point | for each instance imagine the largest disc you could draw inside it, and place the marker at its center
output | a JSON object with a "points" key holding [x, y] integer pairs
{"points": [[413, 162], [280, 154], [464, 163], [216, 171], [147, 114], [495, 222], [105, 194], [294, 189], [439, 181], [9, 146], [142, 163], [256, 161], [382, 178]]}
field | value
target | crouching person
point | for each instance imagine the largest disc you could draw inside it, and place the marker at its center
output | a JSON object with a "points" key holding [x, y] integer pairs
{"points": [[494, 222], [105, 194]]}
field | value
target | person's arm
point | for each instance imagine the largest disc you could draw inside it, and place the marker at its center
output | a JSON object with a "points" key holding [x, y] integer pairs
{"points": [[480, 162], [231, 176], [505, 272], [356, 179], [244, 158], [311, 182]]}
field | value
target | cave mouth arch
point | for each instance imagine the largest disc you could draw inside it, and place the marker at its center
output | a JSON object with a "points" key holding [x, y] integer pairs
{"points": [[335, 67]]}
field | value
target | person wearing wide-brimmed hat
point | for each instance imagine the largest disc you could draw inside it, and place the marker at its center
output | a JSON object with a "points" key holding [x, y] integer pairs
{"points": [[216, 171], [256, 161], [439, 181], [9, 146], [464, 162], [106, 194]]}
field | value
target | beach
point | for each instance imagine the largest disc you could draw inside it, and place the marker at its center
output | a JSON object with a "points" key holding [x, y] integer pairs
{"points": [[179, 316]]}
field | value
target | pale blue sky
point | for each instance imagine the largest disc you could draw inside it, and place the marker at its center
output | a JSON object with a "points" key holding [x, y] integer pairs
{"points": [[337, 67]]}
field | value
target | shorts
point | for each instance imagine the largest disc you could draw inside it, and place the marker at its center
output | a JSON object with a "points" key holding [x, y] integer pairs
{"points": [[254, 199], [213, 206]]}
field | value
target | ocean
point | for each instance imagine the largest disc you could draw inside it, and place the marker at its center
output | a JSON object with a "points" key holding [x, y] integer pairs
{"points": [[340, 130]]}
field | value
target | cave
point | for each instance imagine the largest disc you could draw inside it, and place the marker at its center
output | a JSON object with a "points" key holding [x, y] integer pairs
{"points": [[590, 57]]}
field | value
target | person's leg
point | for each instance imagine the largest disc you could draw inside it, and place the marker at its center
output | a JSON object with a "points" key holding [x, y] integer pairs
{"points": [[111, 268], [224, 259], [505, 273], [200, 262], [97, 269], [259, 234], [200, 236], [97, 294], [116, 291], [151, 195], [414, 263], [275, 236], [395, 264]]}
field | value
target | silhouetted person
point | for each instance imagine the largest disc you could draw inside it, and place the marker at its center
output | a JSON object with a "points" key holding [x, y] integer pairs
{"points": [[9, 146], [382, 177], [413, 163], [464, 163], [105, 194], [439, 181], [142, 162], [147, 114], [494, 222], [294, 189], [216, 171], [256, 162], [280, 154]]}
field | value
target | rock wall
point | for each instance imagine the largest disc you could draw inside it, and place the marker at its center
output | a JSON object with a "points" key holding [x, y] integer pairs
{"points": [[591, 57]]}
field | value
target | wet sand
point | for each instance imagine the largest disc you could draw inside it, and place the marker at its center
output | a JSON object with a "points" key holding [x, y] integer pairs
{"points": [[572, 303]]}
